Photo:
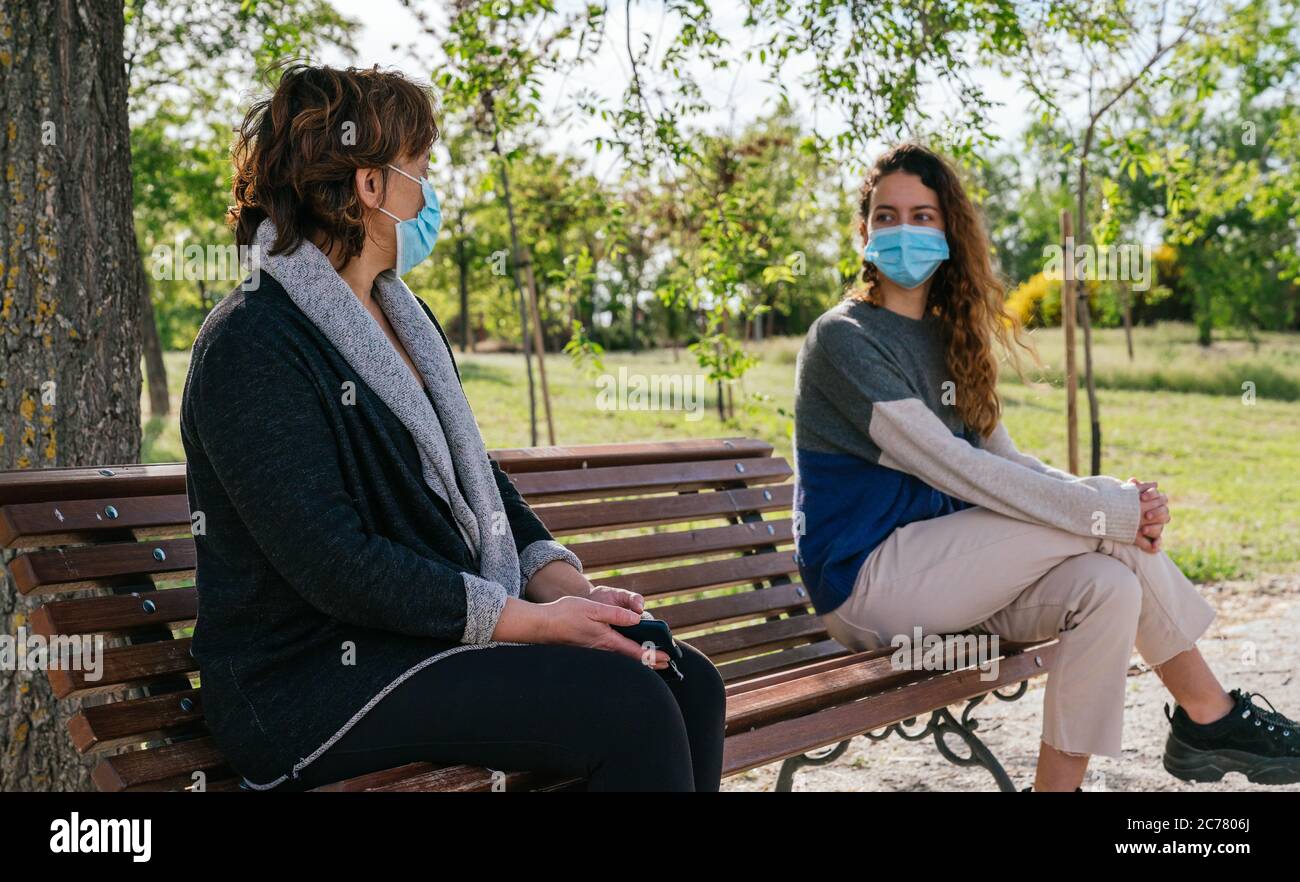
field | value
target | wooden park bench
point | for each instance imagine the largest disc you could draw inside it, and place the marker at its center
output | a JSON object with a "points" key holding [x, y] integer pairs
{"points": [[111, 548]]}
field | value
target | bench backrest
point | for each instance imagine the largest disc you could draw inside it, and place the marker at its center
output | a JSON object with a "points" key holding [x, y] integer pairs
{"points": [[701, 528]]}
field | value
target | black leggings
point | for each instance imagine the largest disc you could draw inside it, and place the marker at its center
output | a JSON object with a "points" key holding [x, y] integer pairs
{"points": [[586, 713]]}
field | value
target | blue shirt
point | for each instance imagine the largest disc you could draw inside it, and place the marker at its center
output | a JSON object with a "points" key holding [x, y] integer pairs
{"points": [[848, 506]]}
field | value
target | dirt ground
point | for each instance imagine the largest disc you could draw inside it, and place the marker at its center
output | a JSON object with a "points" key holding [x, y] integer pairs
{"points": [[1251, 645]]}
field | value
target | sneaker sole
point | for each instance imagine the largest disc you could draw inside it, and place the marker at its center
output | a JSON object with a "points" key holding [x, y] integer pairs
{"points": [[1189, 764]]}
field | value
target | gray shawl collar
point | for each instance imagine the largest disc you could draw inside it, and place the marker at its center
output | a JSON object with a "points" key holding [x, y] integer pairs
{"points": [[445, 430]]}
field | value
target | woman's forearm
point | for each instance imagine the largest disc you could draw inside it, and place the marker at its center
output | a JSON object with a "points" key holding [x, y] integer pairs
{"points": [[555, 580], [521, 621], [1000, 444], [913, 440]]}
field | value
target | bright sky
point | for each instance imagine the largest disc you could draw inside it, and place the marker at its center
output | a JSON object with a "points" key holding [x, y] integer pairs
{"points": [[739, 95]]}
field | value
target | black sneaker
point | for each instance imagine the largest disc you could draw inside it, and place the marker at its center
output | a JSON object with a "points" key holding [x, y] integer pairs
{"points": [[1261, 744]]}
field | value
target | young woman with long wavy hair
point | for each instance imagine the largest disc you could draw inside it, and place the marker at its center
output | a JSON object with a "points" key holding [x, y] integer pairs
{"points": [[920, 516]]}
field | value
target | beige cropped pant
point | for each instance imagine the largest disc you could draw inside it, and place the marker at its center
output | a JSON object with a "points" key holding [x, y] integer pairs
{"points": [[982, 572]]}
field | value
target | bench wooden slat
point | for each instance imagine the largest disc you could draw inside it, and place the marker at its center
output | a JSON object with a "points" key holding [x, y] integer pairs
{"points": [[751, 639], [101, 566], [118, 614], [160, 768], [759, 681], [539, 487], [585, 517], [50, 485], [785, 659], [118, 723], [610, 553], [519, 460], [810, 691], [43, 524], [124, 666], [709, 574], [758, 747], [826, 662], [692, 615]]}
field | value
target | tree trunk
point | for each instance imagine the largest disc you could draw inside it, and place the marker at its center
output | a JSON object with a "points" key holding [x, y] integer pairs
{"points": [[70, 313], [515, 261], [1128, 320], [1069, 317], [462, 263], [1085, 311], [160, 403], [539, 342]]}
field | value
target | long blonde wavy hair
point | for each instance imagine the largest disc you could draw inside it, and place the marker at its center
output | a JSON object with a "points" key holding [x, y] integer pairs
{"points": [[966, 291]]}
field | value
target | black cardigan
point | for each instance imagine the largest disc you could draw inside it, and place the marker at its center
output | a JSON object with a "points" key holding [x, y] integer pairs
{"points": [[326, 568]]}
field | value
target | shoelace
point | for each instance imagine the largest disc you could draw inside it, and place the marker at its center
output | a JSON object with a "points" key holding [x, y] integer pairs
{"points": [[1272, 716]]}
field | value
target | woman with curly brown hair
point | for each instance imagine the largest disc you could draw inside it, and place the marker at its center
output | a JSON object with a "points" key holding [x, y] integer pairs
{"points": [[372, 589], [919, 517]]}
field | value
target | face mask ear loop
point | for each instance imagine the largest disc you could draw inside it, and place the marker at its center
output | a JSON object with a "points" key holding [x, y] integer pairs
{"points": [[397, 224], [404, 174]]}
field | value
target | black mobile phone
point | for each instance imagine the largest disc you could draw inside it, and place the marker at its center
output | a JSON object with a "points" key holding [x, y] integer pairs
{"points": [[656, 632]]}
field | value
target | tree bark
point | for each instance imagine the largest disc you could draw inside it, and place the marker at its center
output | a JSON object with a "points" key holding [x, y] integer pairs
{"points": [[70, 307]]}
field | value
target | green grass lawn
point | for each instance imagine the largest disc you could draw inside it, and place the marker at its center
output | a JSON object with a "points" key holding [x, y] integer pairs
{"points": [[1176, 414]]}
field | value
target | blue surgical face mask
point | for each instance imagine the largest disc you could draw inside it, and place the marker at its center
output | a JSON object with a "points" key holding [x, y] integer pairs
{"points": [[907, 255], [415, 237]]}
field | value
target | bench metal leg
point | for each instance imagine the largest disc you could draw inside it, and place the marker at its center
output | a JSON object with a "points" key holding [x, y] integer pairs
{"points": [[940, 725], [785, 780], [944, 722]]}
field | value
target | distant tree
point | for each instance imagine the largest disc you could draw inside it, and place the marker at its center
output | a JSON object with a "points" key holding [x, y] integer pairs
{"points": [[188, 61], [1099, 54]]}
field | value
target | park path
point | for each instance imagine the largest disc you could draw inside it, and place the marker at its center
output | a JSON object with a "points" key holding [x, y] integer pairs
{"points": [[1252, 645]]}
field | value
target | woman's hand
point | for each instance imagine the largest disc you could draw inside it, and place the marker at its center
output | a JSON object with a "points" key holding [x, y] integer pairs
{"points": [[559, 579], [1155, 514], [620, 597], [582, 621], [568, 609]]}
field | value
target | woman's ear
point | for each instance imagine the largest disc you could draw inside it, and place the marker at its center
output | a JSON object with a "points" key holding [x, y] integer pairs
{"points": [[370, 186]]}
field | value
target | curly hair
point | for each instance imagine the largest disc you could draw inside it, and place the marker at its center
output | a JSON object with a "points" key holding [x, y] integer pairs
{"points": [[966, 291], [296, 152]]}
